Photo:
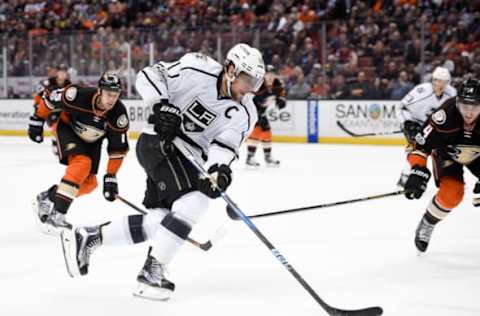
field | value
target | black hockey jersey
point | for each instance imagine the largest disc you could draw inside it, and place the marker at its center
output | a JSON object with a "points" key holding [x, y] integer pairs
{"points": [[445, 133], [77, 106]]}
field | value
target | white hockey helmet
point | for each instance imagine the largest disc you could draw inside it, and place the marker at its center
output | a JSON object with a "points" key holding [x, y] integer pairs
{"points": [[249, 60], [441, 73]]}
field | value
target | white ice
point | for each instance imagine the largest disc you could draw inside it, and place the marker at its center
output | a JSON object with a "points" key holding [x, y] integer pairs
{"points": [[354, 256]]}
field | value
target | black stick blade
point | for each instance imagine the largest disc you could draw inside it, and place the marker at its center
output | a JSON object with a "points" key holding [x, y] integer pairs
{"points": [[231, 213], [370, 311]]}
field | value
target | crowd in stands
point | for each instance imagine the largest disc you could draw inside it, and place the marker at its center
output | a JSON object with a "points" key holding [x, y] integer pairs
{"points": [[329, 49]]}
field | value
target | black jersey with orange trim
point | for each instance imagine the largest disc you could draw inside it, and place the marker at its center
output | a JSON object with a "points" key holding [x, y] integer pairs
{"points": [[78, 109], [268, 94], [445, 133]]}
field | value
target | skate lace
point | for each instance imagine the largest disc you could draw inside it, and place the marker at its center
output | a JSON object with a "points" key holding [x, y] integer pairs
{"points": [[425, 231], [91, 246], [156, 269]]}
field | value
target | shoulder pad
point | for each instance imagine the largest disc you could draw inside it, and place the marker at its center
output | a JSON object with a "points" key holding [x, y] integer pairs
{"points": [[71, 93], [451, 91], [439, 117], [122, 121], [424, 88], [201, 62]]}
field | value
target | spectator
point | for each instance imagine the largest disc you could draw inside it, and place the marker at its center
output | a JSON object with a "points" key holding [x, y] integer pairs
{"points": [[401, 87], [301, 89], [361, 88]]}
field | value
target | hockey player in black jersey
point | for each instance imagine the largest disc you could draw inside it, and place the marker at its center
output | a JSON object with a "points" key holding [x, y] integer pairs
{"points": [[272, 92], [452, 137], [87, 115], [59, 81]]}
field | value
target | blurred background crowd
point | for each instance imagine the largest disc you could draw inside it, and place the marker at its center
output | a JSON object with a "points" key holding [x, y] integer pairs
{"points": [[328, 49]]}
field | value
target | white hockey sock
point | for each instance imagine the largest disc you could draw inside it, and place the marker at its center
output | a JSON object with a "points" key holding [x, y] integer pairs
{"points": [[132, 229]]}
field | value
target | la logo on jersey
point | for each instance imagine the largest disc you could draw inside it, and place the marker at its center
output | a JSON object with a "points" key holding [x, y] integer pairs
{"points": [[197, 117]]}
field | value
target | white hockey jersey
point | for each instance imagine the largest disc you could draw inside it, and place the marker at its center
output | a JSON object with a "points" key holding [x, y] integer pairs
{"points": [[421, 101], [213, 126]]}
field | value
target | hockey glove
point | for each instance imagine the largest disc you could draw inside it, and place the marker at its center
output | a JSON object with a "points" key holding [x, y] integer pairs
{"points": [[110, 187], [167, 119], [417, 182], [410, 130], [35, 129], [476, 194], [219, 180], [281, 103]]}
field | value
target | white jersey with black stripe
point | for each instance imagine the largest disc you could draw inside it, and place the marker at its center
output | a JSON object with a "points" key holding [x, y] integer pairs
{"points": [[213, 126], [421, 101]]}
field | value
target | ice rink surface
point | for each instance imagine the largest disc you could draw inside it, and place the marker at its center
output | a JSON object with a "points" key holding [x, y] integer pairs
{"points": [[354, 256]]}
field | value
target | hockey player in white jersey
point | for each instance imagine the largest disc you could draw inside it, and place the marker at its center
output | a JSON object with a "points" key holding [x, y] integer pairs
{"points": [[209, 109], [419, 103]]}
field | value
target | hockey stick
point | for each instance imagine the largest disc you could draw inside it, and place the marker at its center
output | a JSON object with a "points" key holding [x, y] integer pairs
{"points": [[349, 132], [371, 311], [233, 215], [205, 246]]}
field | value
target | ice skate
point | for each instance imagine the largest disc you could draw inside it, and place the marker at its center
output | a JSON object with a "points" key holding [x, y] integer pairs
{"points": [[78, 246], [423, 234], [252, 162], [42, 206], [271, 162], [49, 220], [152, 283]]}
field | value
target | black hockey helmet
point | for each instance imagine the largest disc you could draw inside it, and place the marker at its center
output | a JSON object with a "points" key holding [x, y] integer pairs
{"points": [[469, 91], [110, 81]]}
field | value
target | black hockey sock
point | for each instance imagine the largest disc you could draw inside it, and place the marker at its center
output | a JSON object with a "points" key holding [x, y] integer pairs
{"points": [[267, 151], [251, 150], [430, 218]]}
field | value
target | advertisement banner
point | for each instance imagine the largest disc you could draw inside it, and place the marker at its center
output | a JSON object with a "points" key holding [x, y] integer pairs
{"points": [[282, 120], [312, 121], [359, 117]]}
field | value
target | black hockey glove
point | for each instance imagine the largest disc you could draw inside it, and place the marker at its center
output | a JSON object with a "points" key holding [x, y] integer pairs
{"points": [[476, 194], [221, 175], [35, 128], [410, 130], [110, 187], [281, 103], [167, 119], [417, 182]]}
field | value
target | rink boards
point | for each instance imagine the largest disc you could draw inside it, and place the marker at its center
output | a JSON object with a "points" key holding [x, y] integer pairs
{"points": [[301, 121]]}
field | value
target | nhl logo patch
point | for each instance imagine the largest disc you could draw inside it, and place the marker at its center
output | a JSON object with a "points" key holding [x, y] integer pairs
{"points": [[439, 117], [71, 93], [122, 121]]}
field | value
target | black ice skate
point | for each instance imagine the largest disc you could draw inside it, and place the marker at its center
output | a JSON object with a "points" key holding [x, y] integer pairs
{"points": [[152, 283], [423, 234], [252, 162], [78, 246], [271, 162]]}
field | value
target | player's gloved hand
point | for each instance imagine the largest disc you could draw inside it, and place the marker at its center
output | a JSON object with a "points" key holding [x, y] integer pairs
{"points": [[167, 120], [219, 180], [35, 129], [476, 194], [417, 182], [411, 129], [281, 102], [110, 187]]}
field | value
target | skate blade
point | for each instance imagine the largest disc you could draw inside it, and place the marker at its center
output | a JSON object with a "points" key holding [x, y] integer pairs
{"points": [[272, 165], [69, 246], [152, 293], [252, 167]]}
